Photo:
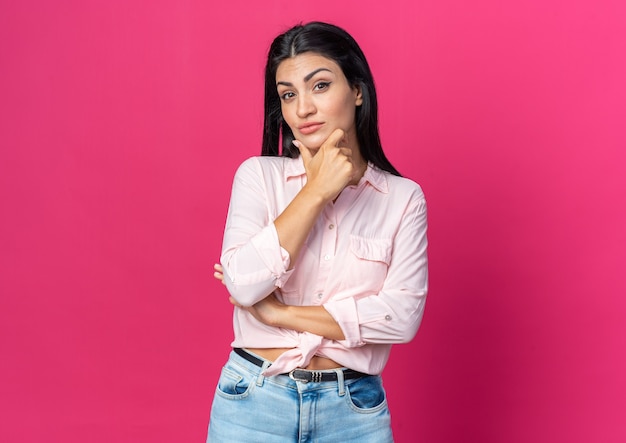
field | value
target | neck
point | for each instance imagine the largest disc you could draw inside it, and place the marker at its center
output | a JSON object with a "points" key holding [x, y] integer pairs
{"points": [[360, 164]]}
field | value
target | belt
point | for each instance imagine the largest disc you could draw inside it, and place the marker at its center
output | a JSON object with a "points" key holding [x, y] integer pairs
{"points": [[304, 375]]}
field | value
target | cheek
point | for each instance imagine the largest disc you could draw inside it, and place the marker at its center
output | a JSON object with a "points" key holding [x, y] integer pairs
{"points": [[346, 114]]}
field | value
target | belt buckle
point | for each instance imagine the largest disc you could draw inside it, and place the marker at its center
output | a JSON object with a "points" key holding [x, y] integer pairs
{"points": [[315, 376], [293, 376]]}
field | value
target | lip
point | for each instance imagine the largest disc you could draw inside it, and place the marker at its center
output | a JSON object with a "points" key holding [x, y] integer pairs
{"points": [[309, 128]]}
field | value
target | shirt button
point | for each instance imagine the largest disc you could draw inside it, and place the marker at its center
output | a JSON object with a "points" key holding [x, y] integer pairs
{"points": [[327, 257], [319, 295], [388, 317], [331, 226]]}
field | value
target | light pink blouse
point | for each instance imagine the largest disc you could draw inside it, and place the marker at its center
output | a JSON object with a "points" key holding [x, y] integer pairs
{"points": [[364, 261]]}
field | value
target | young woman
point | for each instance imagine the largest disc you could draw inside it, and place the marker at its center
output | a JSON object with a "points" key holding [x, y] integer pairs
{"points": [[324, 256]]}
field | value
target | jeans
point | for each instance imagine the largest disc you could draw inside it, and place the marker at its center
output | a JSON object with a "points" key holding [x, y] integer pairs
{"points": [[248, 408]]}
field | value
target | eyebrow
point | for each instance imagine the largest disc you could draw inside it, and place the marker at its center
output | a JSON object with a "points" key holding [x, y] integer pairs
{"points": [[306, 78]]}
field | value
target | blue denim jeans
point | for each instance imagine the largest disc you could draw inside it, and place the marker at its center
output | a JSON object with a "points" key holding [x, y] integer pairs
{"points": [[248, 407]]}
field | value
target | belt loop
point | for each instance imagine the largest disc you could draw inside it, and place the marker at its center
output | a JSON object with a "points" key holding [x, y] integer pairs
{"points": [[261, 377], [340, 384]]}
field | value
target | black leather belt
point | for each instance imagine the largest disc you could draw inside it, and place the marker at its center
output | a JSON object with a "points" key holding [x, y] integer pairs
{"points": [[304, 375]]}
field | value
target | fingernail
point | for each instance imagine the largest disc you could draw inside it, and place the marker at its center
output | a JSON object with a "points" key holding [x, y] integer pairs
{"points": [[296, 143]]}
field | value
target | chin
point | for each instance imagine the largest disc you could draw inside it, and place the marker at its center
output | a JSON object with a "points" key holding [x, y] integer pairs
{"points": [[314, 141]]}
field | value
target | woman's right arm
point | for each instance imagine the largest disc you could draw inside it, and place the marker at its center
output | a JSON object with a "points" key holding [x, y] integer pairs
{"points": [[328, 171], [258, 253]]}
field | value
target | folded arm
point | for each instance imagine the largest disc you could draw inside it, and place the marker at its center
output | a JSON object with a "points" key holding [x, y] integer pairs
{"points": [[391, 316]]}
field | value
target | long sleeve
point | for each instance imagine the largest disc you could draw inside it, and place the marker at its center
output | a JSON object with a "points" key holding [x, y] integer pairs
{"points": [[254, 262], [394, 314], [364, 261]]}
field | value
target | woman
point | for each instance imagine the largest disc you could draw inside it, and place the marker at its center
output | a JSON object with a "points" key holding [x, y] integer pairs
{"points": [[324, 255]]}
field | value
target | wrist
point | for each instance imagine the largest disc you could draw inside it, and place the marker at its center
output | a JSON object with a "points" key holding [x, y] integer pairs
{"points": [[315, 195], [281, 316]]}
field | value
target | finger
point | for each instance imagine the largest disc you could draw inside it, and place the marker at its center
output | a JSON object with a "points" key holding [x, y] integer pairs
{"points": [[218, 267], [334, 139], [234, 302], [346, 151], [219, 276], [304, 151], [345, 140]]}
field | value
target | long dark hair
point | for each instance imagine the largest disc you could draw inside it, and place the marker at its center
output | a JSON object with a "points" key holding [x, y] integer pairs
{"points": [[336, 44]]}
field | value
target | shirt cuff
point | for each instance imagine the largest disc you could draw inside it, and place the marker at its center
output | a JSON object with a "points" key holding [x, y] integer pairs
{"points": [[344, 312], [274, 256]]}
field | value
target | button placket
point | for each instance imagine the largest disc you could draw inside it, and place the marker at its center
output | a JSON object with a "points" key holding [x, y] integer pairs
{"points": [[329, 236], [327, 229]]}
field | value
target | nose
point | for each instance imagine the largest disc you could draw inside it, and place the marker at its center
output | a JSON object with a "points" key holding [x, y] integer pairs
{"points": [[305, 107]]}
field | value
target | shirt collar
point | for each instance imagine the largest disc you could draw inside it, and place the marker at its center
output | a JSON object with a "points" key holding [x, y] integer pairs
{"points": [[376, 178], [294, 167]]}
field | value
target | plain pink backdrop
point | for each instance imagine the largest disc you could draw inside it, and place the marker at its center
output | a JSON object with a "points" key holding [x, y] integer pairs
{"points": [[123, 121]]}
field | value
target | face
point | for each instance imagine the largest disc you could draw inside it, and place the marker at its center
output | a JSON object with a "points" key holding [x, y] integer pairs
{"points": [[316, 99]]}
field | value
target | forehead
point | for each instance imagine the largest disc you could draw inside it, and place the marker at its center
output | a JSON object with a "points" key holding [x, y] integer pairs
{"points": [[296, 68]]}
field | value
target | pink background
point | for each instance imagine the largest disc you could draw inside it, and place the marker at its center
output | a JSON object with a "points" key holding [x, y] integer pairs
{"points": [[122, 123]]}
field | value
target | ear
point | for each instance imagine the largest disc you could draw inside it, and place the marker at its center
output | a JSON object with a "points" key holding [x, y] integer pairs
{"points": [[358, 95]]}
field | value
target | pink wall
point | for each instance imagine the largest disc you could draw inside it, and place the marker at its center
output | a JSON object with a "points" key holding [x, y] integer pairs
{"points": [[121, 125]]}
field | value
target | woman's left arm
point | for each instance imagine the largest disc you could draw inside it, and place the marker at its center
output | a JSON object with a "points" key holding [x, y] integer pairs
{"points": [[391, 316], [314, 319], [394, 314]]}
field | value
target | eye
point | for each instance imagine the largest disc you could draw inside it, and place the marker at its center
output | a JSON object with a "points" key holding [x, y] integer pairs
{"points": [[287, 95], [321, 86]]}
